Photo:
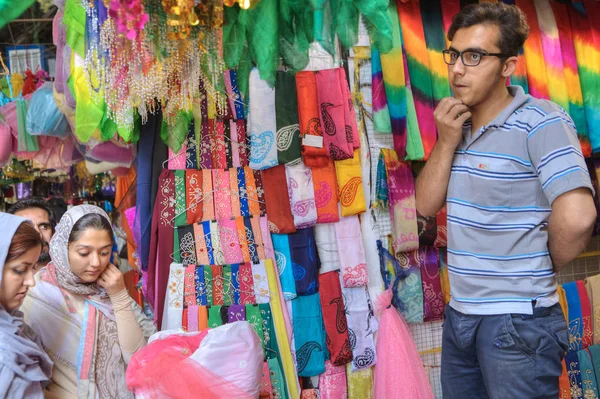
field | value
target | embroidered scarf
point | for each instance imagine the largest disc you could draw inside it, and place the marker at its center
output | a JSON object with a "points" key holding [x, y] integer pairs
{"points": [[326, 193], [309, 336], [350, 186], [433, 298], [194, 196], [277, 201], [301, 195], [351, 252], [262, 123]]}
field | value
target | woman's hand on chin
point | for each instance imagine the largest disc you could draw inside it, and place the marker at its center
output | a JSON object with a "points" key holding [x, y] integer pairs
{"points": [[111, 280]]}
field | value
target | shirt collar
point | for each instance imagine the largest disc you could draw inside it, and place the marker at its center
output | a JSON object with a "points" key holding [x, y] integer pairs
{"points": [[519, 98]]}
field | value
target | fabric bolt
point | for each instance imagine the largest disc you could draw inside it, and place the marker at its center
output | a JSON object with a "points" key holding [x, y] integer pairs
{"points": [[574, 373], [201, 247], [351, 252], [305, 261], [261, 283], [192, 318], [350, 186], [266, 237], [260, 191], [200, 286], [326, 193], [219, 255], [419, 71], [256, 232], [187, 245], [586, 315], [441, 239], [250, 239], [279, 318], [337, 140], [194, 196], [242, 192], [362, 326], [189, 286], [230, 241], [301, 195], [237, 313], [333, 383], [575, 317], [161, 243], [286, 111], [173, 311], [309, 335], [244, 246], [214, 317], [246, 284], [234, 195], [277, 201], [402, 203], [334, 316], [251, 192], [283, 259], [427, 230], [262, 124], [208, 206], [327, 247], [588, 376], [410, 289], [309, 117], [208, 285], [433, 297], [217, 285], [593, 287], [360, 383], [228, 288], [222, 199]]}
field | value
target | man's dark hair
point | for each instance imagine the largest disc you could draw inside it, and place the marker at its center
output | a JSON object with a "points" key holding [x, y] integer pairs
{"points": [[510, 20], [34, 202]]}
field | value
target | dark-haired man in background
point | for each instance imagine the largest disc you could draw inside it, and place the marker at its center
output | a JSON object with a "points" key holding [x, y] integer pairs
{"points": [[520, 207], [42, 217]]}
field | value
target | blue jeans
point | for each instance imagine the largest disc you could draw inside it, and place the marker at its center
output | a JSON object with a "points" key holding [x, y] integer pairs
{"points": [[503, 356]]}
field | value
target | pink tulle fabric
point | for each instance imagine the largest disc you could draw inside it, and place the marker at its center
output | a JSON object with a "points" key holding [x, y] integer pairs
{"points": [[163, 370], [399, 372]]}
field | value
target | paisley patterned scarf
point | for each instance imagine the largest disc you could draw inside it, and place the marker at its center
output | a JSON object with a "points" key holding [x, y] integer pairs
{"points": [[286, 111]]}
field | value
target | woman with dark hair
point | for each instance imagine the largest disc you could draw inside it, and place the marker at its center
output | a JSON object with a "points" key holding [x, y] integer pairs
{"points": [[25, 368], [87, 322]]}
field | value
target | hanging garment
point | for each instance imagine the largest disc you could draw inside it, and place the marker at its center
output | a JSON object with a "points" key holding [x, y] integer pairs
{"points": [[360, 383], [262, 123], [592, 284], [180, 216], [228, 288], [433, 297], [397, 351], [362, 326], [260, 246], [244, 245], [334, 316], [261, 283], [222, 197], [230, 241], [350, 186], [260, 191], [326, 193], [381, 112], [564, 386], [237, 313], [217, 285], [187, 245], [173, 310], [283, 259], [301, 195], [575, 317], [216, 243], [253, 317], [200, 286], [234, 193], [445, 281], [327, 247], [588, 376], [242, 192], [351, 252], [192, 318], [305, 261], [586, 315], [332, 383], [194, 196], [251, 192], [252, 247], [313, 152], [214, 317], [286, 111], [309, 335], [189, 286], [208, 285], [266, 238], [574, 373], [246, 284], [208, 206], [202, 249], [349, 112], [277, 201]]}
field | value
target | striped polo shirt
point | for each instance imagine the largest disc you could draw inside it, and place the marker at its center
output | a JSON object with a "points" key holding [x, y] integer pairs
{"points": [[503, 182]]}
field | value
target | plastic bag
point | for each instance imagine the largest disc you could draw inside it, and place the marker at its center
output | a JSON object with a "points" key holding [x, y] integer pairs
{"points": [[43, 117]]}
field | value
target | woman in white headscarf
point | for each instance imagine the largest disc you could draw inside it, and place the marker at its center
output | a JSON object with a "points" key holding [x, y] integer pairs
{"points": [[87, 322], [25, 368]]}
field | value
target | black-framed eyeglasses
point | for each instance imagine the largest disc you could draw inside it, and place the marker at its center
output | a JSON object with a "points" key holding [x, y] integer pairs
{"points": [[469, 57]]}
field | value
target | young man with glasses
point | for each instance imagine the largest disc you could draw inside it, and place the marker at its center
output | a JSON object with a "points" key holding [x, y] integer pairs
{"points": [[520, 207]]}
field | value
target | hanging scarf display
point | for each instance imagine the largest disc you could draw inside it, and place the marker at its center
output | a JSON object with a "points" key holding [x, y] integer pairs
{"points": [[433, 27], [251, 192], [381, 113], [362, 326], [575, 315], [277, 201], [410, 289], [246, 283], [309, 335], [200, 286], [194, 196], [230, 241], [216, 243], [419, 70], [305, 261], [326, 193], [260, 247], [222, 199], [204, 155], [433, 297], [402, 203], [327, 247], [208, 207], [252, 248], [244, 245], [350, 186], [208, 289], [263, 226], [208, 242], [161, 243], [286, 111], [192, 318], [189, 286], [337, 139], [301, 195], [349, 112], [283, 258], [313, 152], [217, 285], [177, 161], [253, 317], [334, 316], [242, 192], [382, 196], [262, 123], [201, 249], [351, 252], [234, 195], [586, 315], [332, 383]]}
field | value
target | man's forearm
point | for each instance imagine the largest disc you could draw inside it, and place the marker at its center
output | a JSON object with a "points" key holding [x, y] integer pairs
{"points": [[432, 183], [564, 247]]}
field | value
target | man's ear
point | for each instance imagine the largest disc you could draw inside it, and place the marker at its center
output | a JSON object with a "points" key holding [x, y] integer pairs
{"points": [[509, 67]]}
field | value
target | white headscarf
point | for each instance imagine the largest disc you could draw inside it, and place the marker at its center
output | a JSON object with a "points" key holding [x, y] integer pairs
{"points": [[24, 366]]}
